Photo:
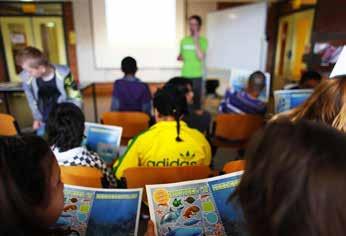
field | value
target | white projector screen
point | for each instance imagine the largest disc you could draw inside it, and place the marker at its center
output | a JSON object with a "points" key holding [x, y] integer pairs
{"points": [[237, 38], [147, 30]]}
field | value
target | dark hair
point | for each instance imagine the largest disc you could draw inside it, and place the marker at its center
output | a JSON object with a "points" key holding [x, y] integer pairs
{"points": [[170, 102], [294, 181], [310, 75], [180, 83], [25, 170], [197, 18], [32, 54], [257, 81], [65, 126], [129, 65]]}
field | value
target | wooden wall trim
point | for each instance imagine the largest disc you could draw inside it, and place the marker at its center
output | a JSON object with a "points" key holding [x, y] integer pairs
{"points": [[70, 46]]}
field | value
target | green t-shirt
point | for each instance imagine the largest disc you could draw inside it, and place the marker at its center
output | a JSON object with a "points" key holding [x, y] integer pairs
{"points": [[193, 66]]}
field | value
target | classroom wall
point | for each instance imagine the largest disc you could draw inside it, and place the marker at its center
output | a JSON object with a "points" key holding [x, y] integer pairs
{"points": [[202, 9], [85, 52]]}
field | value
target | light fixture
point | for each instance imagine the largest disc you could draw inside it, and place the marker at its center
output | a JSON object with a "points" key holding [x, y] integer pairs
{"points": [[50, 24]]}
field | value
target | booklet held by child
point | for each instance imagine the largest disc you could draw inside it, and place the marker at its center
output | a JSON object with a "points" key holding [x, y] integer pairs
{"points": [[104, 140], [288, 99], [91, 211], [192, 208]]}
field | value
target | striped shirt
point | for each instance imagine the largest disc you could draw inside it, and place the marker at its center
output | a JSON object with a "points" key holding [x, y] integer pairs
{"points": [[241, 103]]}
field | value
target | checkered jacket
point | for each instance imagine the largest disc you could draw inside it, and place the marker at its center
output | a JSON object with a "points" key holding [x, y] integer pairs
{"points": [[80, 156]]}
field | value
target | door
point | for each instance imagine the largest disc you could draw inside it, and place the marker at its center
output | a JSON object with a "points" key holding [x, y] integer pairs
{"points": [[17, 34], [45, 33], [293, 44], [49, 37]]}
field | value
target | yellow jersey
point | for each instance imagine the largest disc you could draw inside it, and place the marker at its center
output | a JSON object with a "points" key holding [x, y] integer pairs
{"points": [[157, 147]]}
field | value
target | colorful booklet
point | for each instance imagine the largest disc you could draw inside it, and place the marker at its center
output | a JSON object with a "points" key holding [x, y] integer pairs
{"points": [[239, 79], [90, 211], [104, 140], [200, 207], [287, 99]]}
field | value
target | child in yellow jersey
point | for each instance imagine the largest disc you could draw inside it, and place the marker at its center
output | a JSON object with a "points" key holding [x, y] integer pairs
{"points": [[170, 142]]}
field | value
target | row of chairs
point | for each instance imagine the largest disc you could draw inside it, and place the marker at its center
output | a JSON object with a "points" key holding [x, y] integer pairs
{"points": [[229, 130], [138, 177]]}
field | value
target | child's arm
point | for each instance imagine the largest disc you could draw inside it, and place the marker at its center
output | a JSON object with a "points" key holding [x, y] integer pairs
{"points": [[128, 160], [115, 106], [32, 104]]}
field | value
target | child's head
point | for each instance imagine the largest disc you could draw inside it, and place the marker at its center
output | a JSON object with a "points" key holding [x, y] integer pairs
{"points": [[327, 104], [310, 80], [184, 86], [256, 83], [129, 66], [65, 126], [170, 104], [33, 61], [31, 196], [294, 181]]}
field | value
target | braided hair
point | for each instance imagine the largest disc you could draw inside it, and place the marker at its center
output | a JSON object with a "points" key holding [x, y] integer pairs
{"points": [[65, 126], [169, 101]]}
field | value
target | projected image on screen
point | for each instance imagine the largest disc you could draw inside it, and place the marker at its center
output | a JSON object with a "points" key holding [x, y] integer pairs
{"points": [[141, 24], [148, 30]]}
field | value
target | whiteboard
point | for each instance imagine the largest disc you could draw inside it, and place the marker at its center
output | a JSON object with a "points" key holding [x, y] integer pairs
{"points": [[237, 38]]}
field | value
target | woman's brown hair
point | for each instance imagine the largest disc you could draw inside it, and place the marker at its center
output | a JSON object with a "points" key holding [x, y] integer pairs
{"points": [[327, 104], [294, 182]]}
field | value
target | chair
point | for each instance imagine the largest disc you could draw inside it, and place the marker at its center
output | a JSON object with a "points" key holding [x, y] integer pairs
{"points": [[234, 166], [138, 177], [132, 123], [8, 125], [81, 176], [233, 130]]}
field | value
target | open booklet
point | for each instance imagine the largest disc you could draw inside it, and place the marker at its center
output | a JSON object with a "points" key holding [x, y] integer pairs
{"points": [[288, 99], [104, 140], [192, 208], [91, 211]]}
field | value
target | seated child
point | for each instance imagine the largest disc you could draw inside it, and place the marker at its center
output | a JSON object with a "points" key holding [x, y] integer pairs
{"points": [[65, 130], [197, 119], [170, 142], [129, 93], [294, 181], [246, 102], [309, 80], [31, 196]]}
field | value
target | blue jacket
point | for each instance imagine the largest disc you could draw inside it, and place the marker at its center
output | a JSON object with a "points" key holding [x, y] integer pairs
{"points": [[65, 83]]}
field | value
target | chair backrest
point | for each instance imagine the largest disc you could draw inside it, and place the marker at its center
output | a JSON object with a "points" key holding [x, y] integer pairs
{"points": [[81, 176], [7, 125], [234, 166], [236, 127], [138, 177], [132, 122]]}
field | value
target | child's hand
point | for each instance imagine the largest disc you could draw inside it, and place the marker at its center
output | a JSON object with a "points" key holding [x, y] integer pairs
{"points": [[150, 229], [36, 125]]}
